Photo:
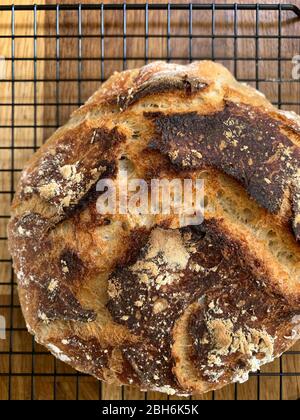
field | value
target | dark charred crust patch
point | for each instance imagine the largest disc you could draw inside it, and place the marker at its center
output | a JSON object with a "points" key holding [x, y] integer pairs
{"points": [[57, 297], [137, 239], [61, 304], [90, 197], [149, 369], [30, 225], [56, 300], [231, 318], [189, 85], [25, 233], [93, 357], [107, 139], [72, 266], [65, 174], [89, 354], [128, 374], [150, 295], [241, 141]]}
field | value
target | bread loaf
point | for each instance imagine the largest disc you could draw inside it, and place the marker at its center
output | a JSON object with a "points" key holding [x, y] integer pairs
{"points": [[142, 299]]}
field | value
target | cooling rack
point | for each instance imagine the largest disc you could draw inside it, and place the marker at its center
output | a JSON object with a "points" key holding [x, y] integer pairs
{"points": [[52, 58]]}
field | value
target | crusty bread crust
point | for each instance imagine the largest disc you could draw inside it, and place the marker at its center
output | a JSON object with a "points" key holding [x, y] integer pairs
{"points": [[135, 299]]}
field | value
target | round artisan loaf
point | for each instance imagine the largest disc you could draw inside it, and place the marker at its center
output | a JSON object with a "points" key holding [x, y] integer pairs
{"points": [[142, 299]]}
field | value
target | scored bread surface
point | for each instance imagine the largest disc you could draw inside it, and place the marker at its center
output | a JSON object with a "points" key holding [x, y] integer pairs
{"points": [[141, 299]]}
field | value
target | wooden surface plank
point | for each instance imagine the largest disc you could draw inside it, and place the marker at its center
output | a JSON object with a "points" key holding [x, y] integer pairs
{"points": [[74, 93]]}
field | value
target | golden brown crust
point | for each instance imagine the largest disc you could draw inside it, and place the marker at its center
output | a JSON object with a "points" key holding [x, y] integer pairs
{"points": [[132, 299]]}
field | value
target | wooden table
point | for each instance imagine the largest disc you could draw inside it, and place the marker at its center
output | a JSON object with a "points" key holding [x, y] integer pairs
{"points": [[42, 120]]}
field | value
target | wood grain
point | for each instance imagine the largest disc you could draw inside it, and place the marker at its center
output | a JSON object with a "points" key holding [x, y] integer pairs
{"points": [[74, 90]]}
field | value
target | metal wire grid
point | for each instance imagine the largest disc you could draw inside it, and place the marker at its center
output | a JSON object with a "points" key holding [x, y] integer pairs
{"points": [[10, 305]]}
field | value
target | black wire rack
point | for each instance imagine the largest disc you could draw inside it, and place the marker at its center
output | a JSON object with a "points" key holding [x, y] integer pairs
{"points": [[52, 58]]}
